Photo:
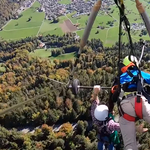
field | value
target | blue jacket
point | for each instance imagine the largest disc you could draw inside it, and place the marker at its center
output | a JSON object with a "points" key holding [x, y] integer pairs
{"points": [[125, 78]]}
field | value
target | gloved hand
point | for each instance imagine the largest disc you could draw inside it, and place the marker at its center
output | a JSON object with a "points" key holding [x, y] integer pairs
{"points": [[96, 89]]}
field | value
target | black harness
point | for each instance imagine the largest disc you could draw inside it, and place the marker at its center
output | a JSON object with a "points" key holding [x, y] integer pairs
{"points": [[138, 79]]}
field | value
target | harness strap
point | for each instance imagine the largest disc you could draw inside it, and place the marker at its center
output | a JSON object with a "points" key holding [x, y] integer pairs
{"points": [[138, 111], [138, 108], [129, 118], [121, 8], [129, 73], [125, 68]]}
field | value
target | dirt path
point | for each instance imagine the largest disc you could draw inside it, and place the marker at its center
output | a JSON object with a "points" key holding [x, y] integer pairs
{"points": [[67, 26]]}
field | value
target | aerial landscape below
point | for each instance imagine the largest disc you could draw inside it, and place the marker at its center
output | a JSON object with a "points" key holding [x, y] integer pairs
{"points": [[66, 68], [42, 17]]}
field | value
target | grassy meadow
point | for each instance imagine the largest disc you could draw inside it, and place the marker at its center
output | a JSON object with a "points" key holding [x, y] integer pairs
{"points": [[38, 25], [21, 27], [46, 54]]}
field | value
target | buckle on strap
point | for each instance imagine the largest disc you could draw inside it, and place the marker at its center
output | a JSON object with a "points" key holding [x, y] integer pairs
{"points": [[139, 94]]}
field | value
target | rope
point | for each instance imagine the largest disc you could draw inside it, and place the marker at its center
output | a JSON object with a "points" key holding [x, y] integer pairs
{"points": [[141, 54]]}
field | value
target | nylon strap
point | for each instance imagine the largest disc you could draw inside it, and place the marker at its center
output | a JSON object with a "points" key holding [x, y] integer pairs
{"points": [[124, 19]]}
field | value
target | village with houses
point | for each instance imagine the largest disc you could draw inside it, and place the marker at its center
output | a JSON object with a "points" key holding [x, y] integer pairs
{"points": [[76, 9], [54, 9], [26, 4]]}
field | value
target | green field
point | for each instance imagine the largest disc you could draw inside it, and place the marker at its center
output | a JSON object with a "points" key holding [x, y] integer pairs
{"points": [[74, 20], [65, 1], [43, 53], [52, 28], [20, 28]]}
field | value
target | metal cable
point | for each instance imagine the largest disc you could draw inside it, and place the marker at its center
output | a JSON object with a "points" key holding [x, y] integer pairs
{"points": [[63, 83], [20, 104]]}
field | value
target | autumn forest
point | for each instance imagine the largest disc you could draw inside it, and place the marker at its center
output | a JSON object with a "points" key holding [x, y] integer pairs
{"points": [[26, 77]]}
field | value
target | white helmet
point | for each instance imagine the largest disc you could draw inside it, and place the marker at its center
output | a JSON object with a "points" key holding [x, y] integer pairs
{"points": [[101, 112]]}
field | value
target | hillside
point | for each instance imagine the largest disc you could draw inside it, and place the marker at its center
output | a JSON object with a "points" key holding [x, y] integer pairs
{"points": [[46, 17], [8, 10], [28, 76]]}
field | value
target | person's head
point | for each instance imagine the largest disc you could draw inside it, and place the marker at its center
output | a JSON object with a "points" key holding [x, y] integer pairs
{"points": [[126, 60], [101, 112]]}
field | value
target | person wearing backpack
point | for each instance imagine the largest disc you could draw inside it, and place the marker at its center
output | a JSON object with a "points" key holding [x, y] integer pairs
{"points": [[132, 102], [103, 121]]}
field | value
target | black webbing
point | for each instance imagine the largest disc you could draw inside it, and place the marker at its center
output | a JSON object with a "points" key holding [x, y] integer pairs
{"points": [[124, 19]]}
